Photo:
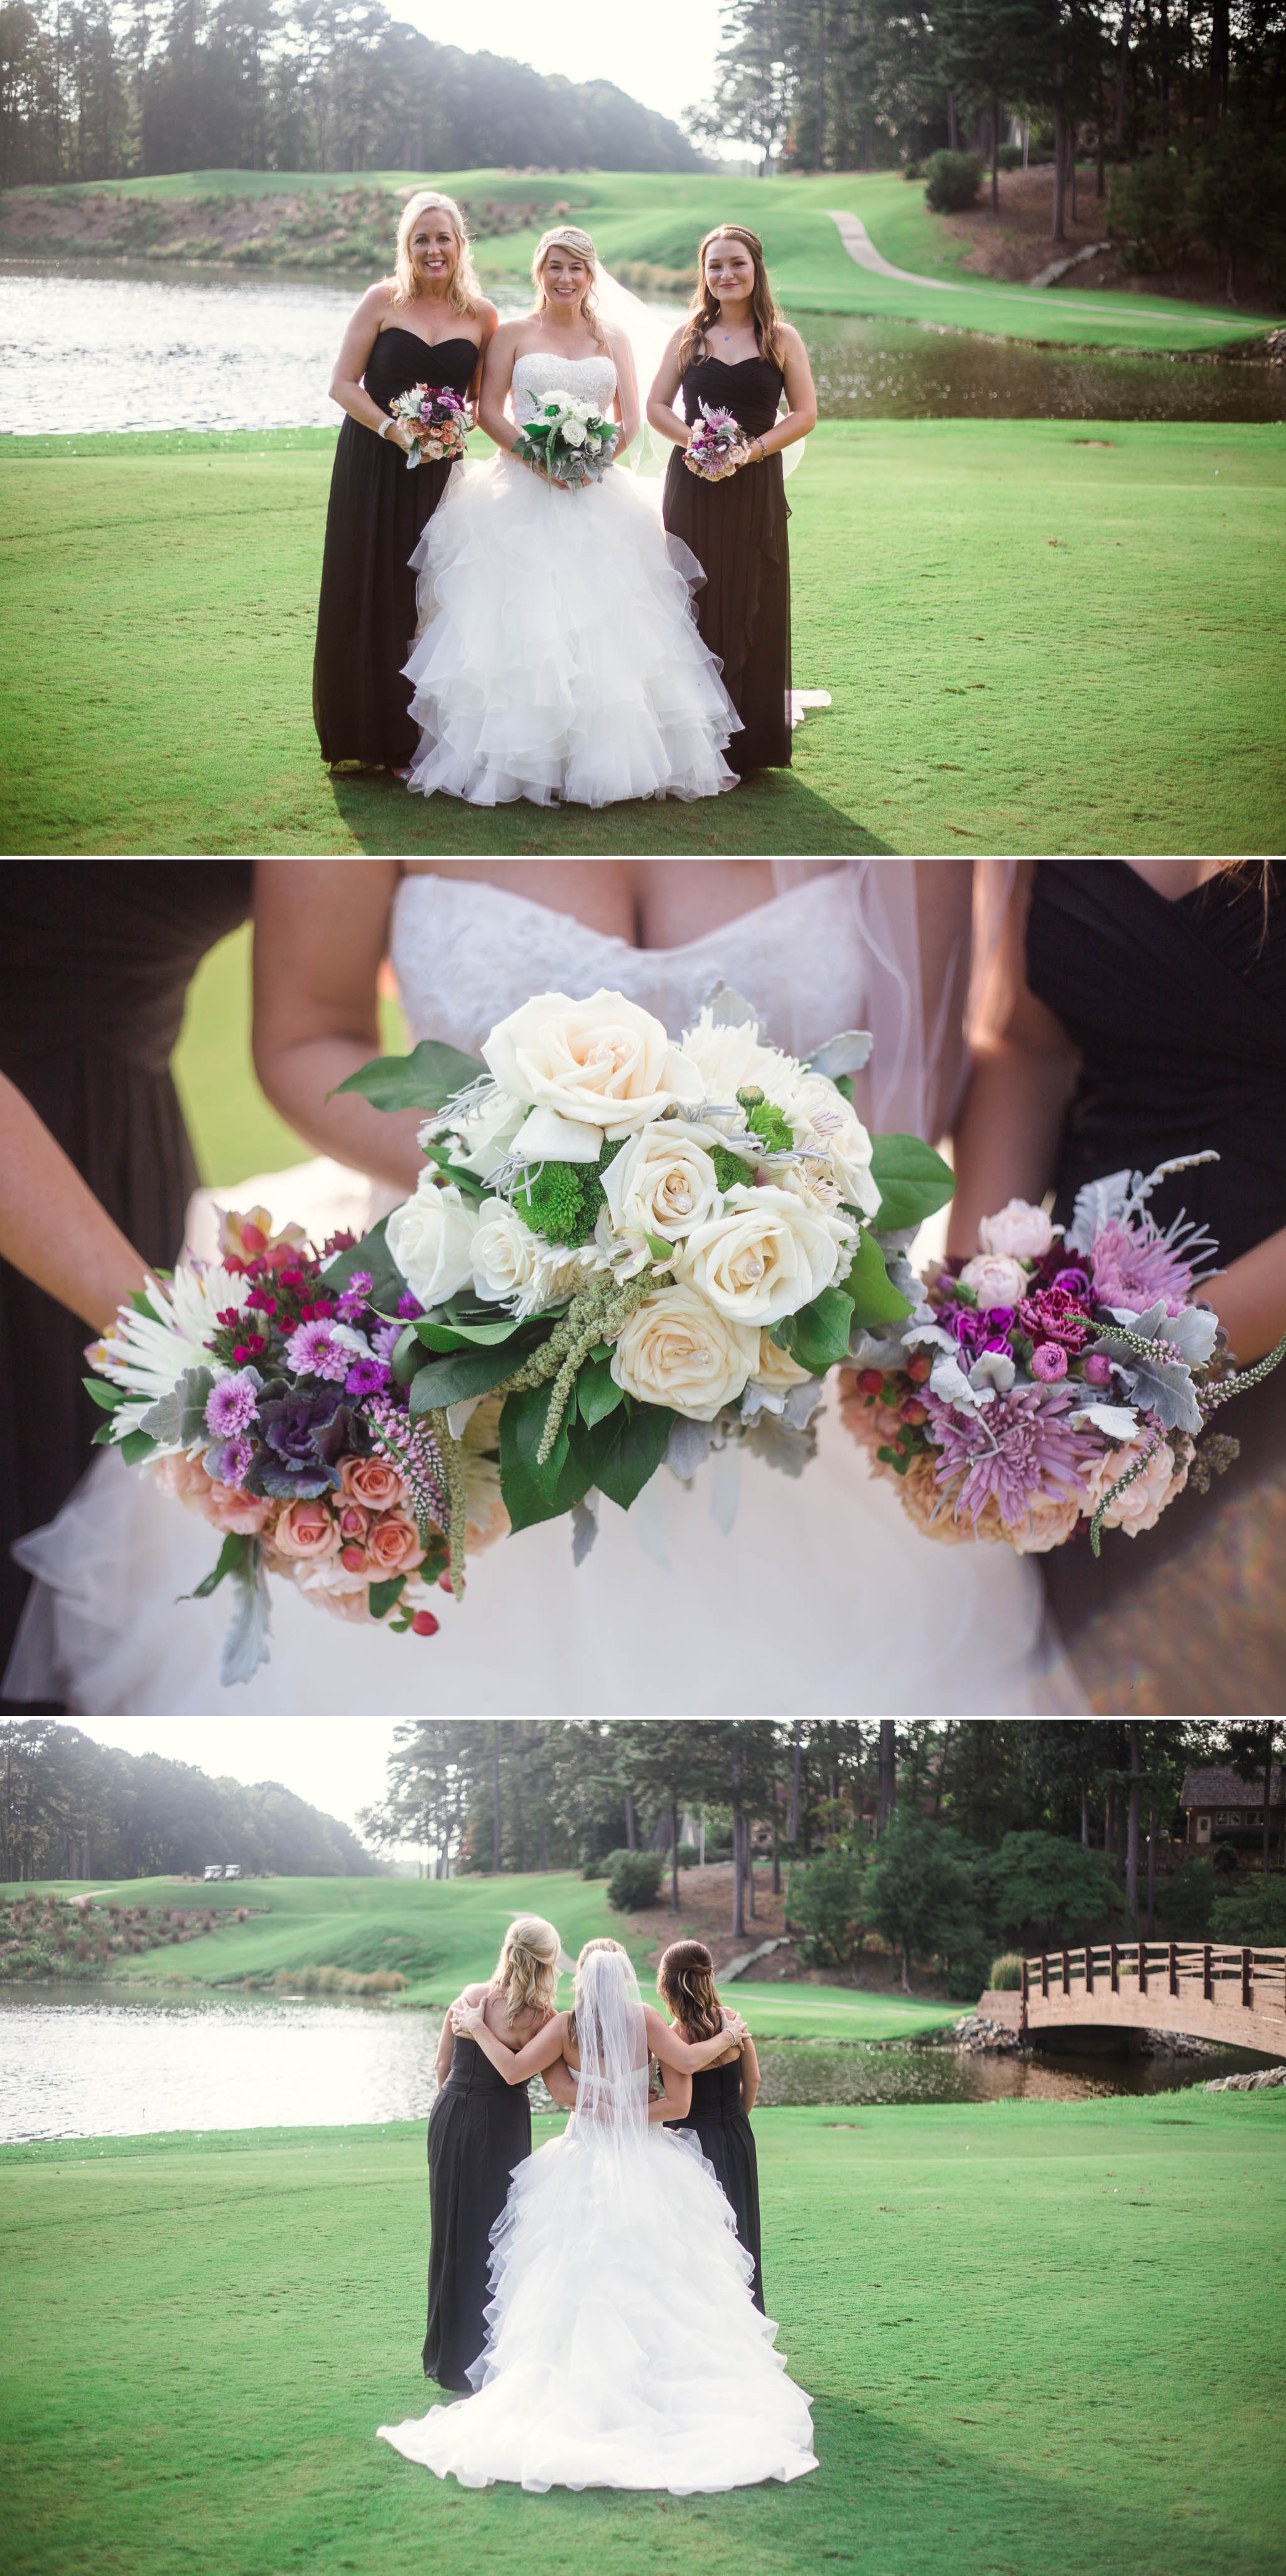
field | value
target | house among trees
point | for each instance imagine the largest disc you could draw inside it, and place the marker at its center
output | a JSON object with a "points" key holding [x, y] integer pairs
{"points": [[1221, 1807]]}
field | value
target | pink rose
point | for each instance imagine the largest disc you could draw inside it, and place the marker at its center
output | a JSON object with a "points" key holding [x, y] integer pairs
{"points": [[1019, 1229], [393, 1545], [352, 1521], [243, 1515], [224, 1506], [994, 1279], [305, 1528], [371, 1481], [1141, 1505]]}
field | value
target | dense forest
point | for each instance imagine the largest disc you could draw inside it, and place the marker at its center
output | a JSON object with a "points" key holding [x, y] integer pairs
{"points": [[71, 1808], [94, 90]]}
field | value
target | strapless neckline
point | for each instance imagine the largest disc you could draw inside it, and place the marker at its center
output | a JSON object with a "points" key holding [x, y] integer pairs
{"points": [[610, 938], [453, 340]]}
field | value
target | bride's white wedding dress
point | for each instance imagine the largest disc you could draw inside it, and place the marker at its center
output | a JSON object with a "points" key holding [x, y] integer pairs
{"points": [[623, 2348], [558, 656], [745, 1594]]}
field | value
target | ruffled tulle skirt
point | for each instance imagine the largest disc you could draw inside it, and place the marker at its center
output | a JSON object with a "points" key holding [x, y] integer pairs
{"points": [[558, 655], [622, 2346]]}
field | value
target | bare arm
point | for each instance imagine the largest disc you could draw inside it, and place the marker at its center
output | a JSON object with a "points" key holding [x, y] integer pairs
{"points": [[626, 405], [1249, 1298], [490, 320], [800, 395], [688, 2057], [446, 2045], [346, 387], [516, 2065], [674, 2101], [1024, 1074], [749, 2074], [561, 2082], [321, 928], [497, 376], [660, 402], [52, 1228]]}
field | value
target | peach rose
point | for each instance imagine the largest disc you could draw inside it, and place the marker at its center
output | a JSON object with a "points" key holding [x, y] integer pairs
{"points": [[1050, 1518], [373, 1482], [1141, 1505], [392, 1545], [306, 1528], [352, 1521], [241, 1515]]}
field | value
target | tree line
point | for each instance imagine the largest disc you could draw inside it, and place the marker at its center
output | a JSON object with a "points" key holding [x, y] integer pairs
{"points": [[71, 1808], [92, 89], [861, 85]]}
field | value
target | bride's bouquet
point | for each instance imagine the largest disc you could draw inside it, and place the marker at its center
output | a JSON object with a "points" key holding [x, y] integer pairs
{"points": [[624, 1250], [1055, 1379], [568, 441], [440, 420], [716, 445]]}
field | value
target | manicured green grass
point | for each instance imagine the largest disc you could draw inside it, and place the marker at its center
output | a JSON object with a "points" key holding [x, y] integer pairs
{"points": [[790, 2011], [1056, 2347], [1039, 636], [658, 217]]}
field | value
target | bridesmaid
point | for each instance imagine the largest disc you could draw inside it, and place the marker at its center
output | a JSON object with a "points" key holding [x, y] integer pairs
{"points": [[1140, 1013], [723, 2096], [427, 324], [98, 955], [735, 353]]}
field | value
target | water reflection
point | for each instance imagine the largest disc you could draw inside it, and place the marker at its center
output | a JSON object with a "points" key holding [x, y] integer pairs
{"points": [[138, 349], [72, 2065]]}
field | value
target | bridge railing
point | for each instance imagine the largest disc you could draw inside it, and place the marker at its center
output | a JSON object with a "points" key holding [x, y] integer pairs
{"points": [[1234, 1976]]}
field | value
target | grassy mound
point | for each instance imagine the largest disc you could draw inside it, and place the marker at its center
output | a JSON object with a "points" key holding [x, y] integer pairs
{"points": [[1038, 636], [1056, 2347]]}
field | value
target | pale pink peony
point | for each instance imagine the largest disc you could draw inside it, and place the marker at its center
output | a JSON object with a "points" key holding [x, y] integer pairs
{"points": [[1141, 1505], [995, 1279], [306, 1528], [1050, 1519], [393, 1546], [373, 1482], [1019, 1229]]}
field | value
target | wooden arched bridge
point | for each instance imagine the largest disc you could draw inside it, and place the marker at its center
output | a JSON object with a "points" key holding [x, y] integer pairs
{"points": [[1202, 1988]]}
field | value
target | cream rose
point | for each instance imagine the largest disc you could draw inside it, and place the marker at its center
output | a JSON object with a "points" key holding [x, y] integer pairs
{"points": [[663, 1182], [677, 1349], [602, 1063], [1019, 1229], [505, 1251], [766, 1256], [994, 1279], [775, 1368], [431, 1239], [822, 1121], [1141, 1505]]}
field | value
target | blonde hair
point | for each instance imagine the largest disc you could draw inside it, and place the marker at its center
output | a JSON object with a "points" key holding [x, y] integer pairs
{"points": [[601, 1941], [569, 237], [704, 312], [526, 1977], [464, 290]]}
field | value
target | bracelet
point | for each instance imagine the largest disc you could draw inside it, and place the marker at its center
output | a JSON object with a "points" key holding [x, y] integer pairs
{"points": [[385, 425]]}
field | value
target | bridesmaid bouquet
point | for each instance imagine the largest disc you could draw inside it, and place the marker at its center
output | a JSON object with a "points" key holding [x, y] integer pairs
{"points": [[568, 441], [715, 447], [1056, 1378], [624, 1250], [441, 423]]}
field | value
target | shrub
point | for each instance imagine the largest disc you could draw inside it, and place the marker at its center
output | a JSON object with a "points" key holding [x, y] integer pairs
{"points": [[1010, 156], [952, 181], [826, 1901], [968, 1975], [1253, 1912], [1006, 1973], [1187, 1900], [914, 170], [635, 1880], [689, 1855], [603, 1863]]}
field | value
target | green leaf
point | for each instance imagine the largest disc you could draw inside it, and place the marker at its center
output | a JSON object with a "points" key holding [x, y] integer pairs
{"points": [[530, 1497], [638, 1444], [372, 1253], [597, 1392], [382, 1596], [103, 1435], [913, 1181], [424, 1079], [820, 1331], [661, 1250], [875, 1299], [408, 1356], [460, 1374], [898, 1459], [231, 1559], [441, 1332], [438, 1152], [101, 1392], [135, 1447]]}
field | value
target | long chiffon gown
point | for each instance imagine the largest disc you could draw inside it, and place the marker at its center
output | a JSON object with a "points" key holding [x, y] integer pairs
{"points": [[479, 2132], [721, 2126], [737, 531], [97, 958], [1179, 1012], [378, 510]]}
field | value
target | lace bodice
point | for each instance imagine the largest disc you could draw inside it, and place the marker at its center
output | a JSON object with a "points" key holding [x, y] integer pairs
{"points": [[541, 372]]}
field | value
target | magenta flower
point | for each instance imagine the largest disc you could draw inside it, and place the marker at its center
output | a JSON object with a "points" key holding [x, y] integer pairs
{"points": [[367, 1377], [313, 1351], [1134, 1265], [231, 1405], [1054, 1316], [1097, 1369], [353, 1298], [385, 1339], [1048, 1361], [1016, 1447]]}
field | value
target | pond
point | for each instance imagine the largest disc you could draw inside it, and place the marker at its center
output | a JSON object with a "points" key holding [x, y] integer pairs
{"points": [[116, 2064], [137, 348]]}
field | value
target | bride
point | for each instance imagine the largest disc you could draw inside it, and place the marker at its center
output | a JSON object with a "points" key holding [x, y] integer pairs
{"points": [[623, 2348], [558, 656]]}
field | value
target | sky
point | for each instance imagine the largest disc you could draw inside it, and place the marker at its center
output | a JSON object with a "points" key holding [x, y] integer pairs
{"points": [[336, 1763], [663, 54]]}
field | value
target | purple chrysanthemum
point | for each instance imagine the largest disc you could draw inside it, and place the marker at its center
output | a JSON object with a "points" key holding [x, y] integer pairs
{"points": [[231, 1406], [230, 1461], [1134, 1265], [408, 1305], [353, 1298], [1016, 1447], [313, 1351], [367, 1377], [385, 1339]]}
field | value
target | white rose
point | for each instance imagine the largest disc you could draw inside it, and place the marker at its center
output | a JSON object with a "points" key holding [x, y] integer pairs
{"points": [[574, 433], [663, 1182], [677, 1349], [766, 1256], [822, 1121], [602, 1062], [775, 1368], [994, 1279], [431, 1239], [1019, 1229], [504, 1251], [486, 1133]]}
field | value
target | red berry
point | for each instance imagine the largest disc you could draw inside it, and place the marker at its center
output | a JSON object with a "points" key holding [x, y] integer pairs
{"points": [[870, 1382], [444, 1583], [424, 1624], [913, 1411], [918, 1369]]}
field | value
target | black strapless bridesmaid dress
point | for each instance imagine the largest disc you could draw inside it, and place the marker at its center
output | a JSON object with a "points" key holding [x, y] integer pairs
{"points": [[723, 2132], [479, 2129], [1179, 1013], [737, 531], [97, 958], [378, 510]]}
